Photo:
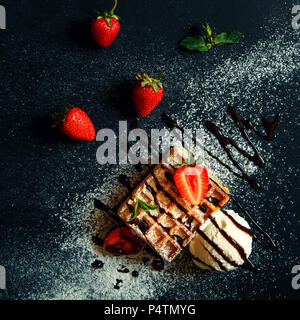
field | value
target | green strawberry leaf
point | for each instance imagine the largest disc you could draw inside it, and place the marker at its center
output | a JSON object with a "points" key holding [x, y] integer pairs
{"points": [[108, 21], [155, 87], [196, 43], [227, 37]]}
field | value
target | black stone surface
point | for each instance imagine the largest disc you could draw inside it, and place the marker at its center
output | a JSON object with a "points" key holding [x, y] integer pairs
{"points": [[47, 61]]}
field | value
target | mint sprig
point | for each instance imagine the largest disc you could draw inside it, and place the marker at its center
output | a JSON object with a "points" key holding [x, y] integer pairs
{"points": [[143, 205], [205, 43]]}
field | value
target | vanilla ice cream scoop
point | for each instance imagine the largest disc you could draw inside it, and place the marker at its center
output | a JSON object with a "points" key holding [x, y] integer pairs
{"points": [[222, 243]]}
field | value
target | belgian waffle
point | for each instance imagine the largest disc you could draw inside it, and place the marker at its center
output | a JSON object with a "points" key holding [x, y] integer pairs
{"points": [[173, 225]]}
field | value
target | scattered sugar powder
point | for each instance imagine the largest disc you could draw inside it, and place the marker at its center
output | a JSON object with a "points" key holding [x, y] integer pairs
{"points": [[257, 82]]}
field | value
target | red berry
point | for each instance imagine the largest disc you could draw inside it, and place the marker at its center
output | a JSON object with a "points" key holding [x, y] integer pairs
{"points": [[122, 241], [75, 124], [147, 94], [105, 27], [103, 33], [192, 183]]}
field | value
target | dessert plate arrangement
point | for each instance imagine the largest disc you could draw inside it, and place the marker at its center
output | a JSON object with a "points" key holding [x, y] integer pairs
{"points": [[76, 228]]}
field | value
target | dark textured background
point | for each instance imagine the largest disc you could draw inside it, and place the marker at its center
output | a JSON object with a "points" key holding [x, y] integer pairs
{"points": [[48, 60]]}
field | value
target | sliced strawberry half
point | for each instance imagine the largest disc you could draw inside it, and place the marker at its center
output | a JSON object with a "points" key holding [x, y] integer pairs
{"points": [[192, 183], [122, 241]]}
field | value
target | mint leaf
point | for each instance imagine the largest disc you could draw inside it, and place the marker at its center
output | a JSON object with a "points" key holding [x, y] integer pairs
{"points": [[227, 37], [206, 28], [146, 205], [197, 43], [152, 206], [205, 43], [143, 205], [135, 212]]}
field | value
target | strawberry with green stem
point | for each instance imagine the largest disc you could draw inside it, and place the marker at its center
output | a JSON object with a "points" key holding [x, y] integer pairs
{"points": [[105, 27], [147, 93]]}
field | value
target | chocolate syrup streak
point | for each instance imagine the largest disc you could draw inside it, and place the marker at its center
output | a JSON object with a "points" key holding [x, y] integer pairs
{"points": [[117, 285], [111, 212], [217, 248], [237, 224], [270, 126], [172, 124], [98, 264], [225, 142], [236, 245], [271, 245], [242, 125], [178, 239], [214, 258]]}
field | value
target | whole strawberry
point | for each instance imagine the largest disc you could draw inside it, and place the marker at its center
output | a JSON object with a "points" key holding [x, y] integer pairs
{"points": [[105, 27], [147, 93], [75, 124]]}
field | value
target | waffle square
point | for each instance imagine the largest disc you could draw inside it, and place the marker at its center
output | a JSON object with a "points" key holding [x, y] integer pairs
{"points": [[173, 225]]}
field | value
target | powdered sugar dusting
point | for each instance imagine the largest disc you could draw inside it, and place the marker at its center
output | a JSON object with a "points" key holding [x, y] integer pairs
{"points": [[243, 80]]}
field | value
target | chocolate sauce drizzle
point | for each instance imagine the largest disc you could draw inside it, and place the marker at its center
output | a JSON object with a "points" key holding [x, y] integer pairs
{"points": [[236, 245], [172, 124], [242, 125], [269, 126], [271, 245], [123, 269], [207, 265], [237, 224], [247, 263], [224, 141]]}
